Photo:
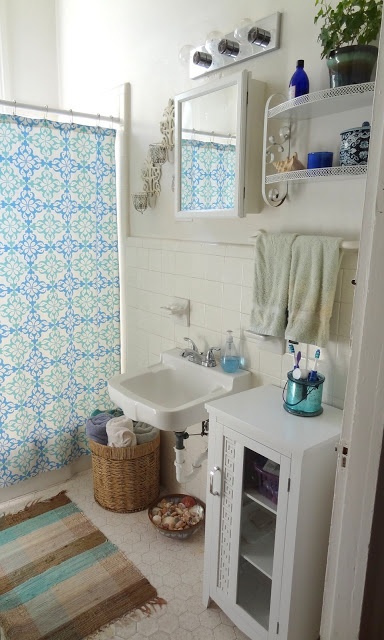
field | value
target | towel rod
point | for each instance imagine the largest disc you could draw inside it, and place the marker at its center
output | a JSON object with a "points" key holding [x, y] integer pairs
{"points": [[350, 245]]}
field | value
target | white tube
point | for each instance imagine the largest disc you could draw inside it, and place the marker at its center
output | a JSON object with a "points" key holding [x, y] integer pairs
{"points": [[196, 466]]}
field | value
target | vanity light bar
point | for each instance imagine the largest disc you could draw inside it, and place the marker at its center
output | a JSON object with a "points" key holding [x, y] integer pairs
{"points": [[260, 37]]}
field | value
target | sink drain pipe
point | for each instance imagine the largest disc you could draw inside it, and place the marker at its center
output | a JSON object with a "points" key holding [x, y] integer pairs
{"points": [[179, 449]]}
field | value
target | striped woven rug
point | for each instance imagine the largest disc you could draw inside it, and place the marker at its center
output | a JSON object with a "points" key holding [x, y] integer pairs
{"points": [[61, 578]]}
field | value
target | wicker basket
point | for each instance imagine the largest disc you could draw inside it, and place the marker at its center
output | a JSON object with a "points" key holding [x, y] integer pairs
{"points": [[126, 479]]}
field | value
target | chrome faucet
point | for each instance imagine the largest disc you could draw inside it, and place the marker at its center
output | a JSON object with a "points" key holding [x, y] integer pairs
{"points": [[209, 358], [206, 359], [193, 353]]}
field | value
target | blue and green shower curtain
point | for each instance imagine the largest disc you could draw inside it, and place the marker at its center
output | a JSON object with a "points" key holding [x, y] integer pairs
{"points": [[59, 290]]}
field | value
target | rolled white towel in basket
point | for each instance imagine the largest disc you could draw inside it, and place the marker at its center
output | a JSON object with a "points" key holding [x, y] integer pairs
{"points": [[120, 432]]}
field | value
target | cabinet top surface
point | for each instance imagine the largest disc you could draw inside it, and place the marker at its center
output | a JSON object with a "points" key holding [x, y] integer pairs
{"points": [[261, 410]]}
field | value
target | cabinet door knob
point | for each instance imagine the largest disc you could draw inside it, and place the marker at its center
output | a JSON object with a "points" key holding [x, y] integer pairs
{"points": [[211, 474]]}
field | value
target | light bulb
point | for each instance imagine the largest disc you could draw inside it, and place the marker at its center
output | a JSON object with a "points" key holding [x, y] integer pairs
{"points": [[212, 42], [241, 35], [241, 31], [185, 54]]}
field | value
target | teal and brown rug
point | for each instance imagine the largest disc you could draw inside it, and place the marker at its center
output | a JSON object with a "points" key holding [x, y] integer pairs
{"points": [[61, 578]]}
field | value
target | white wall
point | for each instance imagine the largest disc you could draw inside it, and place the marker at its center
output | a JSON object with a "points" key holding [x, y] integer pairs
{"points": [[106, 43], [28, 31], [217, 278], [102, 44]]}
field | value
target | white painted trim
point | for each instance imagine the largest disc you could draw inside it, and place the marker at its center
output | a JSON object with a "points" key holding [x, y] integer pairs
{"points": [[45, 480], [364, 408], [122, 205]]}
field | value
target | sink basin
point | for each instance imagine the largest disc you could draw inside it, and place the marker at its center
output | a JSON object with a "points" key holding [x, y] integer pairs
{"points": [[171, 395]]}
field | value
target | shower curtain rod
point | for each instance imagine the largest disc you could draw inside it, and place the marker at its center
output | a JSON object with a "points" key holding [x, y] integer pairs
{"points": [[212, 134], [66, 112]]}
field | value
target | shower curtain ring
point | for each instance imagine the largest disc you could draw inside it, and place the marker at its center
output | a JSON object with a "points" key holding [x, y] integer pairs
{"points": [[98, 120], [46, 112], [111, 121], [14, 108], [71, 112]]}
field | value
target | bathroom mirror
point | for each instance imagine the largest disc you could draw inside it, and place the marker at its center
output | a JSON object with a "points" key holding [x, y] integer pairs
{"points": [[210, 123]]}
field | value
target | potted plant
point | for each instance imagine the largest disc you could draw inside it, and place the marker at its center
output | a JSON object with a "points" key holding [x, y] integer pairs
{"points": [[347, 30]]}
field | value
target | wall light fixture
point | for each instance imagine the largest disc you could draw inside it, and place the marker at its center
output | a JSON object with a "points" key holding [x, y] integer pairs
{"points": [[249, 39]]}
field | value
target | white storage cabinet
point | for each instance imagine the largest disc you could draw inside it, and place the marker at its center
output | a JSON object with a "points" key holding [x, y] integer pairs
{"points": [[267, 528]]}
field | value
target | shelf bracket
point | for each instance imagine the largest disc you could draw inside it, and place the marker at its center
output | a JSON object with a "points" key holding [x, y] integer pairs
{"points": [[273, 144]]}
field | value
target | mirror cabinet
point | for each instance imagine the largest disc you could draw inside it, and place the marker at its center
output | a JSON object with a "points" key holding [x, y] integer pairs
{"points": [[218, 145]]}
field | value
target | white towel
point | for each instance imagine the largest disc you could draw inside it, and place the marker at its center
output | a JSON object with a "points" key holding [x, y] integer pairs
{"points": [[120, 432], [312, 286], [270, 288]]}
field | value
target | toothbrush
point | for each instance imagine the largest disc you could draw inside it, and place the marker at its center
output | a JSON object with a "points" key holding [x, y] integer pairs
{"points": [[313, 373], [298, 360], [291, 349]]}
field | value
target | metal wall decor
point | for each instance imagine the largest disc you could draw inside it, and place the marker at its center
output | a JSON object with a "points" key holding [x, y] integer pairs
{"points": [[167, 128], [158, 154]]}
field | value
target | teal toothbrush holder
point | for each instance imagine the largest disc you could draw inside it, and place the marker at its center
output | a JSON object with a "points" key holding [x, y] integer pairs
{"points": [[302, 397]]}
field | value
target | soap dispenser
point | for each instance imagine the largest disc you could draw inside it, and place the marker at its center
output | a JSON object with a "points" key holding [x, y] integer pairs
{"points": [[230, 361]]}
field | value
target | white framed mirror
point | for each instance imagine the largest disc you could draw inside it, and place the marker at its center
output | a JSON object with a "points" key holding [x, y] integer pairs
{"points": [[210, 125]]}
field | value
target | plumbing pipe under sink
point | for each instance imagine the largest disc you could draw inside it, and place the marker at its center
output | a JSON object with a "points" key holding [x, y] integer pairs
{"points": [[181, 476]]}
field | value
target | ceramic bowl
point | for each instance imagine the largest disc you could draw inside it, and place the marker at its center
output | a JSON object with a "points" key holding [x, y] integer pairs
{"points": [[181, 534]]}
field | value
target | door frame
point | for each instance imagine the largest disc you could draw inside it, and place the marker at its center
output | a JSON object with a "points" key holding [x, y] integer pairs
{"points": [[362, 431]]}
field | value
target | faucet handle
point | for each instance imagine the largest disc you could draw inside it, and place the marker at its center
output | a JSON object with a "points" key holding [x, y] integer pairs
{"points": [[209, 358], [193, 345]]}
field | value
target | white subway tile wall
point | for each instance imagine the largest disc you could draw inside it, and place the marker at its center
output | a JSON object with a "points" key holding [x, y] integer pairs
{"points": [[217, 278]]}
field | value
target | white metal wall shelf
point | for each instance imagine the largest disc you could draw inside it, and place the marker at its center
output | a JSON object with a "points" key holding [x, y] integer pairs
{"points": [[326, 102], [316, 175], [313, 105]]}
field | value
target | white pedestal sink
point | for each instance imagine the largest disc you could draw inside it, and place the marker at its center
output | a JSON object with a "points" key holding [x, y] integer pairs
{"points": [[171, 395]]}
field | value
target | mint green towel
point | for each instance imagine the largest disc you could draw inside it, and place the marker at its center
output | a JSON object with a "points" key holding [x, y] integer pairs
{"points": [[270, 288], [312, 285]]}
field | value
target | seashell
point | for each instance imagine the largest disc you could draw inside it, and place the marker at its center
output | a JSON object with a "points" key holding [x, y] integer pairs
{"points": [[290, 164], [156, 519], [169, 520], [156, 511]]}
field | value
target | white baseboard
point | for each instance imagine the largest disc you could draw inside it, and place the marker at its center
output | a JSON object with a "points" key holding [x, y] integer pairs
{"points": [[45, 480]]}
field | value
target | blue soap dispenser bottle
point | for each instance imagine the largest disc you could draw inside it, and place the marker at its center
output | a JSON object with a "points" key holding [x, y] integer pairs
{"points": [[230, 361]]}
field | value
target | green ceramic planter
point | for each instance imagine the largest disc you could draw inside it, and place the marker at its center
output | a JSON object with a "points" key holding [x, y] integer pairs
{"points": [[351, 65]]}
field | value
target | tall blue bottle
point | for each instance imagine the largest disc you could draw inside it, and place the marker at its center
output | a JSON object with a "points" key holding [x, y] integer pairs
{"points": [[299, 84]]}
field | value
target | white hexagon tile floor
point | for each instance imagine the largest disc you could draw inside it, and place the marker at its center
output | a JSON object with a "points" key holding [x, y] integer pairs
{"points": [[174, 568]]}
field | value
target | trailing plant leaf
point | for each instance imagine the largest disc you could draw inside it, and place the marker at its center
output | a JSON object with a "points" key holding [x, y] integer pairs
{"points": [[349, 22]]}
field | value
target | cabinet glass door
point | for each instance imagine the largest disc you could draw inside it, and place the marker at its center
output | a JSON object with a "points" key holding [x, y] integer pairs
{"points": [[258, 522]]}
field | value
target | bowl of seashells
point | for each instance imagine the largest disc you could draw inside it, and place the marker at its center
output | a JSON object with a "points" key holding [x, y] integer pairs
{"points": [[177, 515]]}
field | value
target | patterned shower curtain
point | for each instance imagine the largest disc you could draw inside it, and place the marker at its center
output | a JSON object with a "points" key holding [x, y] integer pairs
{"points": [[59, 290], [208, 173]]}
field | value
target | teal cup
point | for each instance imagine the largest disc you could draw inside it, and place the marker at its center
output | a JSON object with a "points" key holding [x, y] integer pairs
{"points": [[303, 398]]}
